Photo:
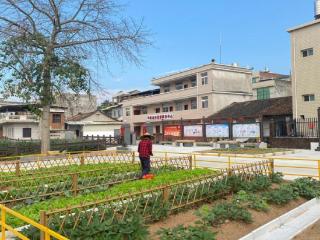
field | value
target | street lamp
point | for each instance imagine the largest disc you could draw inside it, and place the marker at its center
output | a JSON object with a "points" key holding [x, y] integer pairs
{"points": [[318, 149]]}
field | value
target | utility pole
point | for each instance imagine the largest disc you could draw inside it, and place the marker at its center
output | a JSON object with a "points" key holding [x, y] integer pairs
{"points": [[318, 149]]}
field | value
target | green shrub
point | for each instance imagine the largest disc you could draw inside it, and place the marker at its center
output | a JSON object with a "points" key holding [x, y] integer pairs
{"points": [[307, 188], [250, 200], [281, 195], [199, 232], [222, 212], [258, 183], [277, 177]]}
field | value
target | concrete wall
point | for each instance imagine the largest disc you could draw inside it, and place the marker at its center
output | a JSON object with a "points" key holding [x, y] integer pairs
{"points": [[227, 81], [100, 130], [15, 130], [76, 104], [305, 70], [278, 88]]}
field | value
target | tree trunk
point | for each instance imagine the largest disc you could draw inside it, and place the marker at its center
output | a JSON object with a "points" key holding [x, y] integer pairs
{"points": [[45, 129], [46, 100]]}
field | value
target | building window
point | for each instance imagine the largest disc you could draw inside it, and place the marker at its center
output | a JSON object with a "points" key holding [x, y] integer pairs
{"points": [[165, 108], [307, 52], [26, 132], [179, 106], [193, 82], [171, 109], [166, 88], [179, 85], [205, 102], [204, 78], [194, 103], [255, 79], [185, 86], [186, 107], [56, 118], [127, 112], [144, 110], [263, 93], [158, 110], [309, 98]]}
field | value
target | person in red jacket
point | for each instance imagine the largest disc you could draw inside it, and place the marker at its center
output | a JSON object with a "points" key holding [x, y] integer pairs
{"points": [[145, 151]]}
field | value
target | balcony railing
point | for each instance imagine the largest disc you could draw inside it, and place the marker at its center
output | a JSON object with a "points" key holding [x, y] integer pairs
{"points": [[19, 118], [163, 97]]}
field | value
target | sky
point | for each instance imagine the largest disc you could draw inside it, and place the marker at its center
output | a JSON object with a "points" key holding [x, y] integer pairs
{"points": [[187, 33]]}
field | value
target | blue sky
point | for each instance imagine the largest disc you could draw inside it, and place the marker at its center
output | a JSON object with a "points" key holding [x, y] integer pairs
{"points": [[186, 33]]}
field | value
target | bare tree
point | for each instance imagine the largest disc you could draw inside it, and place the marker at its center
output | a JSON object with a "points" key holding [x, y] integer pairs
{"points": [[46, 43]]}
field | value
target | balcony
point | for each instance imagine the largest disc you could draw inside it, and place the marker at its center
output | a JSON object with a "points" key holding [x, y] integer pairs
{"points": [[18, 118], [162, 97]]}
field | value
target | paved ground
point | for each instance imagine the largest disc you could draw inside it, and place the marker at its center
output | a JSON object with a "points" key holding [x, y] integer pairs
{"points": [[298, 164]]}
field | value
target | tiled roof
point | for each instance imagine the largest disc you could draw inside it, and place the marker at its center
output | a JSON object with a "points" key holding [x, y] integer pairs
{"points": [[270, 75], [80, 116], [254, 109]]}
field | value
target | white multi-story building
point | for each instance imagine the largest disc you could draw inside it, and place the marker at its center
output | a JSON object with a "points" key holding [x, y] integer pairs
{"points": [[191, 94]]}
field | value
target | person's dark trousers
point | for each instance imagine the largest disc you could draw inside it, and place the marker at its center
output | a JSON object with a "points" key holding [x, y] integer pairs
{"points": [[145, 165]]}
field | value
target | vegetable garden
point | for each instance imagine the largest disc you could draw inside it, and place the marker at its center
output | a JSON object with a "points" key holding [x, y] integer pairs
{"points": [[99, 196]]}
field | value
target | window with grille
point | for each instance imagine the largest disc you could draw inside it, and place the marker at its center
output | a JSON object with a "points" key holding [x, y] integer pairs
{"points": [[309, 98], [263, 93], [179, 85], [204, 78], [166, 88], [193, 82], [56, 118], [194, 104], [307, 52], [179, 106], [205, 102]]}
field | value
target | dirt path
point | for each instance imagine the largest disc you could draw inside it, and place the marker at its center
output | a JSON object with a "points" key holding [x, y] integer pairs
{"points": [[312, 233], [229, 230]]}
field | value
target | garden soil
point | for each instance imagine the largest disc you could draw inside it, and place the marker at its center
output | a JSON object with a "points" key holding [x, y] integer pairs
{"points": [[229, 230], [312, 233]]}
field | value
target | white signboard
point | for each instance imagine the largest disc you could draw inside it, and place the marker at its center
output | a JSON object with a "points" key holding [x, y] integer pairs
{"points": [[193, 131], [246, 130], [217, 130]]}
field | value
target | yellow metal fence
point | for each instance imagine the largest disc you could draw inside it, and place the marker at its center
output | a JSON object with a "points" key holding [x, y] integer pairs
{"points": [[45, 231], [290, 167]]}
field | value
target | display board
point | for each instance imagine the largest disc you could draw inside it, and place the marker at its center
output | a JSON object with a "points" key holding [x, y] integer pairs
{"points": [[217, 130], [193, 131], [251, 130], [174, 130]]}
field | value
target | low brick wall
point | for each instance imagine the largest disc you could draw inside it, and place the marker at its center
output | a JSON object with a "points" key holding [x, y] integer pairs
{"points": [[292, 142]]}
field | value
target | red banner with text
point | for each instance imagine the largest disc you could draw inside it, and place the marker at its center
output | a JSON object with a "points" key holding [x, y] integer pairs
{"points": [[172, 130]]}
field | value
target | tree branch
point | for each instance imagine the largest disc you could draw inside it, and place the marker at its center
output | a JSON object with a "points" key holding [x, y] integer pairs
{"points": [[24, 13]]}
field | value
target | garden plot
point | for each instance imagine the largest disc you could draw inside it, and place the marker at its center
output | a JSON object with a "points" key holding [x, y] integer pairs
{"points": [[41, 184], [253, 204], [137, 201]]}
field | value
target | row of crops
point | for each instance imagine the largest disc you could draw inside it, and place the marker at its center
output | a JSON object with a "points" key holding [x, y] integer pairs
{"points": [[86, 195]]}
